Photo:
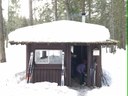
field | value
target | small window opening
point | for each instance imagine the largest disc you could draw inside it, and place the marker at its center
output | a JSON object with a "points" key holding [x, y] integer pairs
{"points": [[48, 56]]}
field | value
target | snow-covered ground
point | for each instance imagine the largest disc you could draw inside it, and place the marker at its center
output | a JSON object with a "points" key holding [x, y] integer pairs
{"points": [[114, 64]]}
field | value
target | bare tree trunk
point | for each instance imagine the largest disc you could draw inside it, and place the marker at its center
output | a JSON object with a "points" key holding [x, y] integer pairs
{"points": [[120, 23], [67, 9], [56, 17], [30, 12], [112, 27], [123, 23], [103, 10], [83, 6], [89, 10], [112, 34], [2, 43], [7, 31]]}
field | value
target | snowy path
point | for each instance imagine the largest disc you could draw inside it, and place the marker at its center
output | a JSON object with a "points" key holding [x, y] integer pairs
{"points": [[82, 91]]}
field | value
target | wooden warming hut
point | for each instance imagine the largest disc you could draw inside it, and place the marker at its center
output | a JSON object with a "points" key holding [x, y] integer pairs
{"points": [[54, 46]]}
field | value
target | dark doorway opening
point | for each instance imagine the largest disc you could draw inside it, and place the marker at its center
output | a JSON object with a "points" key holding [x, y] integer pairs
{"points": [[79, 53]]}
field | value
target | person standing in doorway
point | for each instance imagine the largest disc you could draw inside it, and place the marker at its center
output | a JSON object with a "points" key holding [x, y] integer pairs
{"points": [[81, 69]]}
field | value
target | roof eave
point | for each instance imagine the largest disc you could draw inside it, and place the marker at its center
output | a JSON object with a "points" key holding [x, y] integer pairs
{"points": [[107, 42]]}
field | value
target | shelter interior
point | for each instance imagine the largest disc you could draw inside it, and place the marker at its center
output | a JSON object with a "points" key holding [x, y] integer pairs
{"points": [[78, 54]]}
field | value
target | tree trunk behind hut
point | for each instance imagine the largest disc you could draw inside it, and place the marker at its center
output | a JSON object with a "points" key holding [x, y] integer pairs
{"points": [[2, 47]]}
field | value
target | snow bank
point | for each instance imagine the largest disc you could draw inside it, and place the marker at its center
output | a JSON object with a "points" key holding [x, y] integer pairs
{"points": [[116, 65], [16, 63], [38, 89]]}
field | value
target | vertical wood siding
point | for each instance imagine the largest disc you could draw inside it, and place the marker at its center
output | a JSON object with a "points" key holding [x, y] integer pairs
{"points": [[47, 72]]}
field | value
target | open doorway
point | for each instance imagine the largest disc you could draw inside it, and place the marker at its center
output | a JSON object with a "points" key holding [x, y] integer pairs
{"points": [[79, 53]]}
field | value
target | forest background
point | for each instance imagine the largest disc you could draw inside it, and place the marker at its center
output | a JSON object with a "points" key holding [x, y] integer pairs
{"points": [[109, 13]]}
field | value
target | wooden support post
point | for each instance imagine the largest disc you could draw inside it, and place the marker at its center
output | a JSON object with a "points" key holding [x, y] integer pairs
{"points": [[99, 70], [88, 65]]}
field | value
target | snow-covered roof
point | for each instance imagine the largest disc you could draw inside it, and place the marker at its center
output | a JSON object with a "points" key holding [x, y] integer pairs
{"points": [[63, 31]]}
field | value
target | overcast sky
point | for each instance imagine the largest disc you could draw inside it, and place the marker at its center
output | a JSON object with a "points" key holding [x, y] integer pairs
{"points": [[24, 7], [23, 11]]}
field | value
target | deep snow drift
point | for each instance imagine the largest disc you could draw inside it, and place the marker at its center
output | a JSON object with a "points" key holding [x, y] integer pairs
{"points": [[10, 81]]}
